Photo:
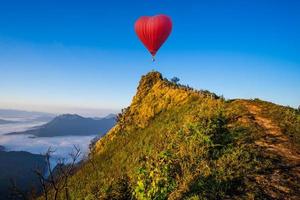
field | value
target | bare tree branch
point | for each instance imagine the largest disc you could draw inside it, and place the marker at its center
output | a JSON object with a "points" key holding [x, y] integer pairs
{"points": [[57, 180]]}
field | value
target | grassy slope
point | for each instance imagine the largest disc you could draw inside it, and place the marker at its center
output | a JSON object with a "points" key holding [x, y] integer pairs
{"points": [[177, 143]]}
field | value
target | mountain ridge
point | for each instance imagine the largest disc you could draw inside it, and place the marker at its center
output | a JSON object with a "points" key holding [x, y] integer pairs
{"points": [[175, 142], [143, 98]]}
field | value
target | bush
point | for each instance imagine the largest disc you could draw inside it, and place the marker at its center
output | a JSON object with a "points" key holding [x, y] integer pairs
{"points": [[155, 179]]}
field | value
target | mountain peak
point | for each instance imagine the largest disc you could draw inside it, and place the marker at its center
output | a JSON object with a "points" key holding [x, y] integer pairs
{"points": [[147, 81], [69, 116], [150, 78], [111, 115], [156, 94]]}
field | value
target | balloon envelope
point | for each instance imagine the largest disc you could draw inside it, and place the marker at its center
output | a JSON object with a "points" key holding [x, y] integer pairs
{"points": [[153, 31]]}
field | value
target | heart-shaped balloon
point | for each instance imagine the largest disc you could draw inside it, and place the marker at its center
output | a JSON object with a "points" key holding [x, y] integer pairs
{"points": [[153, 31]]}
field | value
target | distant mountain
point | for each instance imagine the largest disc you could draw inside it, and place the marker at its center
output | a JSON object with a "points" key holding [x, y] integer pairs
{"points": [[111, 115], [2, 121], [2, 148], [71, 124], [18, 166]]}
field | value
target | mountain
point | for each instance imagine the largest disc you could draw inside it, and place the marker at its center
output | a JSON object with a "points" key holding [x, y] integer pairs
{"points": [[2, 121], [17, 167], [71, 124], [111, 115], [175, 142]]}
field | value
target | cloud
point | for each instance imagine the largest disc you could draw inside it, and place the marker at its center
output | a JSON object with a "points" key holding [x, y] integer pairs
{"points": [[62, 145]]}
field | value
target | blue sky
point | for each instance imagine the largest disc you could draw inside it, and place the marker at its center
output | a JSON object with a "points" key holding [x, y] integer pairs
{"points": [[84, 57]]}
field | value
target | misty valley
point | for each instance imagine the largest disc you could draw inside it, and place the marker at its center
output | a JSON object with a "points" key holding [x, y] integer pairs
{"points": [[25, 138]]}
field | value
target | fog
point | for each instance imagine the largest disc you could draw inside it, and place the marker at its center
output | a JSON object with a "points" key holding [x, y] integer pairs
{"points": [[62, 145], [19, 126]]}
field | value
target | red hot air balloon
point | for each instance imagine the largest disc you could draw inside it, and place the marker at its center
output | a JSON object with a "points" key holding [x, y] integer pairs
{"points": [[153, 31]]}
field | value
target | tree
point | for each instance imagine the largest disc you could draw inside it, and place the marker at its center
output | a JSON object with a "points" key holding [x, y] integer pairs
{"points": [[298, 109], [175, 80], [57, 180]]}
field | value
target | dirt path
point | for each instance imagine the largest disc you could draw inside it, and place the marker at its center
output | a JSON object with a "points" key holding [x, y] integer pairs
{"points": [[274, 140], [283, 180]]}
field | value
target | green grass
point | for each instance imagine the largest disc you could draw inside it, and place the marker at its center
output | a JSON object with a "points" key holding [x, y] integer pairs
{"points": [[177, 143]]}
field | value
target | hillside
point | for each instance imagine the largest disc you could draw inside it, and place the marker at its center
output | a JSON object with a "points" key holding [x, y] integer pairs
{"points": [[17, 167], [174, 142], [71, 124]]}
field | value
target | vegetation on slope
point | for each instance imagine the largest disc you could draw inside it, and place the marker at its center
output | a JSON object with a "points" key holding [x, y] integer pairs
{"points": [[174, 142]]}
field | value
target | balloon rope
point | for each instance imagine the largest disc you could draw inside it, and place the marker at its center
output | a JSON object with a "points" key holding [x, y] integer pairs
{"points": [[153, 58]]}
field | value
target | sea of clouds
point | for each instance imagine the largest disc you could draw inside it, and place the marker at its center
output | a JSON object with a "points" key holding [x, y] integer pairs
{"points": [[62, 145]]}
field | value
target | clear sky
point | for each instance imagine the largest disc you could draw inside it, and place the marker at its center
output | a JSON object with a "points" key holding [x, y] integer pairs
{"points": [[83, 56]]}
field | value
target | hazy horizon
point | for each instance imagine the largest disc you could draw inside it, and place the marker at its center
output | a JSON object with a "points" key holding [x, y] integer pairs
{"points": [[57, 110]]}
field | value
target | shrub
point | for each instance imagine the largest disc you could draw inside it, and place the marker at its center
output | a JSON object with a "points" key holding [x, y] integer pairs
{"points": [[155, 179]]}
